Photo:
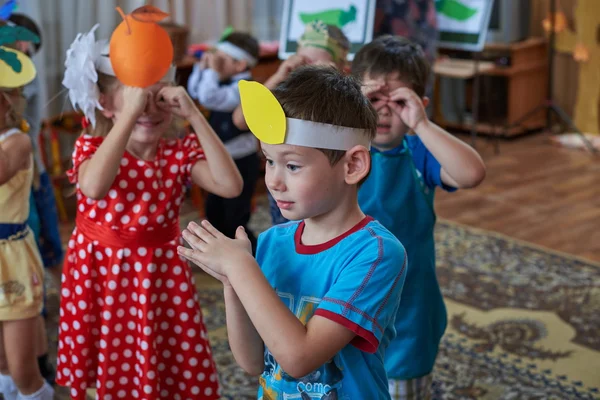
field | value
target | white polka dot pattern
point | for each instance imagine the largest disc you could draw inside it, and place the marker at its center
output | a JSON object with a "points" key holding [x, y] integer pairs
{"points": [[119, 307]]}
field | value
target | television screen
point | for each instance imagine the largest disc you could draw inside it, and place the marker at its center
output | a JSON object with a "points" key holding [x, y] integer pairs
{"points": [[463, 24]]}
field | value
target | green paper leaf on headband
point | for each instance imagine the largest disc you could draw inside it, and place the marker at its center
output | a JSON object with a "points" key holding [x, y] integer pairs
{"points": [[228, 31], [11, 60], [11, 34]]}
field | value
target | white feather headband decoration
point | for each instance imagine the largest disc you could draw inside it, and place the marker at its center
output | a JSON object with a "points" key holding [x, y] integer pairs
{"points": [[81, 77]]}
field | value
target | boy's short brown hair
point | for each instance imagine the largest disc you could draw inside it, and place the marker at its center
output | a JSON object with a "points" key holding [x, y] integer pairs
{"points": [[323, 94], [388, 54], [245, 42]]}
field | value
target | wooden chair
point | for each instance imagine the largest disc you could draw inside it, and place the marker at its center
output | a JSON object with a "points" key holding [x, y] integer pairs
{"points": [[55, 142]]}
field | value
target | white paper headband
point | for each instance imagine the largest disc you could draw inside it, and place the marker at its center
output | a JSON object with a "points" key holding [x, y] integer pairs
{"points": [[267, 121], [237, 53], [300, 132]]}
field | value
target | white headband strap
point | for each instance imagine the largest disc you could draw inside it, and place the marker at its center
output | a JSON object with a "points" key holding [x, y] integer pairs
{"points": [[324, 136], [237, 53]]}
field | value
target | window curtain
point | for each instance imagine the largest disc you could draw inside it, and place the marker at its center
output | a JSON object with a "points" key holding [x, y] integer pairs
{"points": [[61, 20]]}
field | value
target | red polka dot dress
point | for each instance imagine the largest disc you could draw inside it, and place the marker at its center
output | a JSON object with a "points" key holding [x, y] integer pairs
{"points": [[130, 322]]}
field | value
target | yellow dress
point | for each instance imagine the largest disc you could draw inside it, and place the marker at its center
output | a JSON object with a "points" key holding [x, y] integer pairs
{"points": [[21, 268]]}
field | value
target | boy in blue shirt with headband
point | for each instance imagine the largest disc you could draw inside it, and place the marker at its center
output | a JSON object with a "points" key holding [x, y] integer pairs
{"points": [[314, 313], [411, 156]]}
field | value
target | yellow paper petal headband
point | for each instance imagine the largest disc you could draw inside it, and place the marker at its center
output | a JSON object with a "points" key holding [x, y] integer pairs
{"points": [[267, 121]]}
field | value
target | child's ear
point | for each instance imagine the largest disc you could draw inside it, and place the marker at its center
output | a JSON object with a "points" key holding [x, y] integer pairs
{"points": [[106, 106], [425, 101], [358, 164]]}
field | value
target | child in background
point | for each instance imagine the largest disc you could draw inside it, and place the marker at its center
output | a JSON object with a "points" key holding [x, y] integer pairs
{"points": [[313, 314], [320, 44], [21, 269], [214, 83], [411, 156], [130, 323], [43, 216], [50, 243]]}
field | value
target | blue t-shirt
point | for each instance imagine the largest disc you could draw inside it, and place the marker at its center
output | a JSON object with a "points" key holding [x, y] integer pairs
{"points": [[428, 167], [354, 280], [399, 194]]}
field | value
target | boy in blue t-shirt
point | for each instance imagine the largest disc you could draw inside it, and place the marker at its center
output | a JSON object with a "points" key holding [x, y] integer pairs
{"points": [[314, 313], [411, 156]]}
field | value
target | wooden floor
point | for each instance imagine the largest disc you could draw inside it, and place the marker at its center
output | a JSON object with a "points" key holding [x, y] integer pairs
{"points": [[534, 191]]}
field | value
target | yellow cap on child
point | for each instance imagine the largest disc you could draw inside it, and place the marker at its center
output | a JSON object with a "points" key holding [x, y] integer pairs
{"points": [[316, 34], [16, 68]]}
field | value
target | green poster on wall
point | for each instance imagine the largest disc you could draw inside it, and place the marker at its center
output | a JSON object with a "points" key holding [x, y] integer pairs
{"points": [[354, 17]]}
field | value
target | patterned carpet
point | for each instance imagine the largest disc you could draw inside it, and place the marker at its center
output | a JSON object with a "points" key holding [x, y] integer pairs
{"points": [[523, 320]]}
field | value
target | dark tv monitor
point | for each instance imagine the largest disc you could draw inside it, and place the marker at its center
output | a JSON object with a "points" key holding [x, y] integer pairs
{"points": [[509, 21]]}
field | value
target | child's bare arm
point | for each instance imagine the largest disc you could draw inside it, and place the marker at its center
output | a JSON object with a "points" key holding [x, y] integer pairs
{"points": [[246, 344], [217, 174], [14, 156], [97, 174], [299, 349], [284, 70], [462, 167]]}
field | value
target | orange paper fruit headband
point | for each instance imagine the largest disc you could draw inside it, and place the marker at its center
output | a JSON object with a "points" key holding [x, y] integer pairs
{"points": [[141, 52]]}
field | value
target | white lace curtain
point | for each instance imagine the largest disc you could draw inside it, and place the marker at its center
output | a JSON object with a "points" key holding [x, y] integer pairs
{"points": [[61, 20]]}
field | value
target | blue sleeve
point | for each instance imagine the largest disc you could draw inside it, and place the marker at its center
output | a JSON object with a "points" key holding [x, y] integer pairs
{"points": [[366, 295], [427, 164]]}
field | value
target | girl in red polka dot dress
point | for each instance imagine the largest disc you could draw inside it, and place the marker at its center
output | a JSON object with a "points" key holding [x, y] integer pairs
{"points": [[130, 322]]}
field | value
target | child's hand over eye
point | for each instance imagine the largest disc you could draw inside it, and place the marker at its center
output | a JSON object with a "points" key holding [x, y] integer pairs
{"points": [[291, 64], [408, 106], [212, 251], [135, 100], [176, 100], [204, 59], [373, 89], [215, 62]]}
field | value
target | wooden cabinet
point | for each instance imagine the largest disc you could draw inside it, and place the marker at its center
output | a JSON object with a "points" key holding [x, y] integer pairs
{"points": [[523, 80]]}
